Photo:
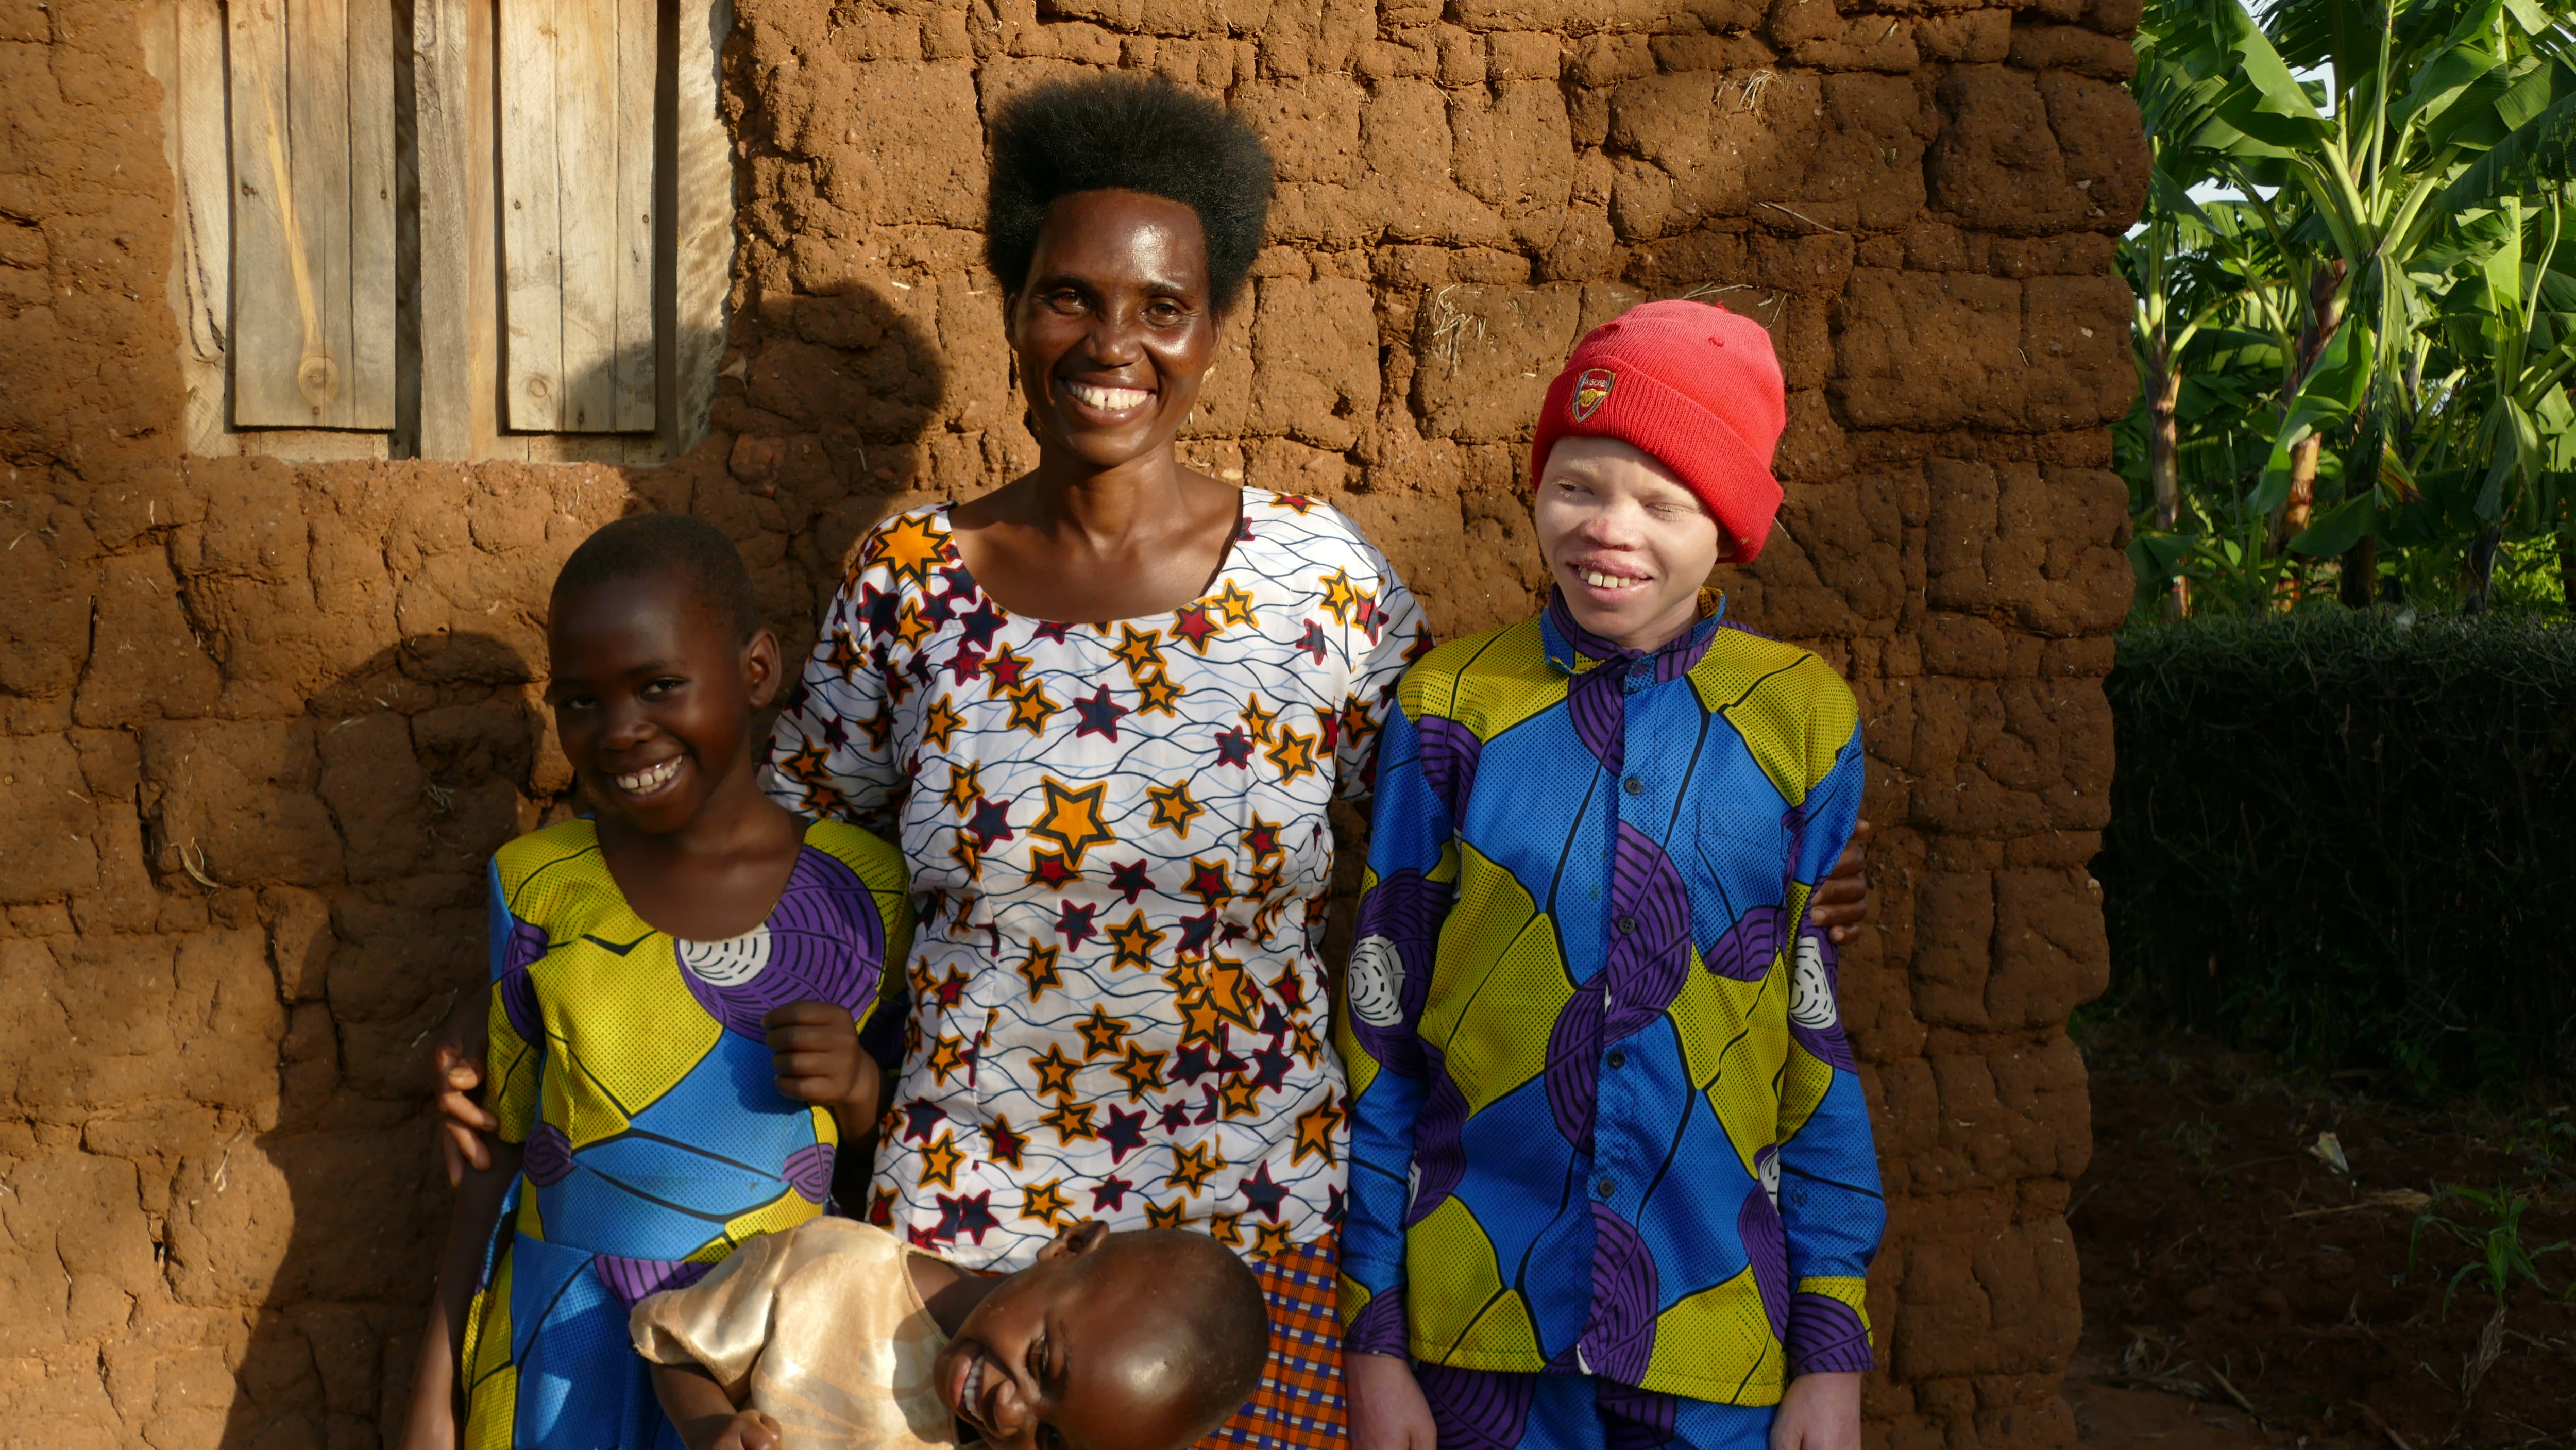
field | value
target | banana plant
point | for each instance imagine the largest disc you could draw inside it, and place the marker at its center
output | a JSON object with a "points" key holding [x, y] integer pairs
{"points": [[2381, 191]]}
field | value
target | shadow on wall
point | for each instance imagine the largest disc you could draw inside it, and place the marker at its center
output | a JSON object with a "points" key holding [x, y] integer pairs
{"points": [[368, 822]]}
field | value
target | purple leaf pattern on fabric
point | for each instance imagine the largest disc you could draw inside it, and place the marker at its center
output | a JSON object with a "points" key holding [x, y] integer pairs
{"points": [[809, 1172], [1766, 1250], [1449, 755], [825, 945], [1746, 951], [1619, 1337], [1380, 1326], [1816, 1021], [1574, 1066], [1439, 1152], [1473, 1410], [1635, 1419], [1825, 1337], [1406, 910], [633, 1280], [518, 988], [549, 1156]]}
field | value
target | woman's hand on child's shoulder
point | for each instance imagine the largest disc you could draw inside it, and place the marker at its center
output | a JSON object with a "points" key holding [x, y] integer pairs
{"points": [[815, 1048]]}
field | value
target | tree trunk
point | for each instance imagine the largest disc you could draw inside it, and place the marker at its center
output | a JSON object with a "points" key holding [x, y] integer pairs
{"points": [[2361, 573], [2477, 571], [2325, 314], [2164, 446]]}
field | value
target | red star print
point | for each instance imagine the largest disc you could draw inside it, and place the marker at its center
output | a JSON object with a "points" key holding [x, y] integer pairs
{"points": [[1128, 879], [1192, 623], [1313, 643], [1075, 923], [1005, 668], [965, 665], [991, 822], [1124, 1134], [1233, 747], [1264, 1195], [1051, 872], [1007, 1145], [1099, 715]]}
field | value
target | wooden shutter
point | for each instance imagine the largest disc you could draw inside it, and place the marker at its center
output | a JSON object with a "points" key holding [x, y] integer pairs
{"points": [[312, 121], [577, 144]]}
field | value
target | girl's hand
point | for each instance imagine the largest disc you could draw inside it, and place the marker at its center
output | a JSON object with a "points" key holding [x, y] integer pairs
{"points": [[1819, 1412], [1387, 1409], [1841, 901], [456, 1074], [815, 1047], [749, 1430]]}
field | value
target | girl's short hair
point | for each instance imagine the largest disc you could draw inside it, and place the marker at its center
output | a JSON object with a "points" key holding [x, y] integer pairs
{"points": [[691, 552], [1126, 133]]}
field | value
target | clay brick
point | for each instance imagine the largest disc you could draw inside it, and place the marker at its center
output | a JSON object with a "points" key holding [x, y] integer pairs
{"points": [[1489, 353], [148, 663], [235, 799], [1315, 361], [50, 846]]}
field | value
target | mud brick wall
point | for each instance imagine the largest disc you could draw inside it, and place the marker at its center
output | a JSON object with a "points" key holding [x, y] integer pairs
{"points": [[260, 722]]}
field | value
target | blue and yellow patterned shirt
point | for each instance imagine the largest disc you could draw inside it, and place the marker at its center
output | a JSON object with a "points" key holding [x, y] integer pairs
{"points": [[1604, 1119]]}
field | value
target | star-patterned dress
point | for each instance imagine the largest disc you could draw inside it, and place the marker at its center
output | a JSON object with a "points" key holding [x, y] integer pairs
{"points": [[1119, 853]]}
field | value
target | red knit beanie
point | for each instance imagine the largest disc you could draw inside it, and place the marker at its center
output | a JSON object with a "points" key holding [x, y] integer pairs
{"points": [[1694, 385]]}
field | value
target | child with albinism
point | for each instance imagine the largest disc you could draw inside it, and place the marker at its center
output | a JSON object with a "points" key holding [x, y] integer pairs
{"points": [[1612, 1180]]}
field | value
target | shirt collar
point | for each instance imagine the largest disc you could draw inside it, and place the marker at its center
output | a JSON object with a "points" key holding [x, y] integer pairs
{"points": [[1569, 644]]}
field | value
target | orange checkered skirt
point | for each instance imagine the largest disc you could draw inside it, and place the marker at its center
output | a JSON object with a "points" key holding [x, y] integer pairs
{"points": [[1298, 1405]]}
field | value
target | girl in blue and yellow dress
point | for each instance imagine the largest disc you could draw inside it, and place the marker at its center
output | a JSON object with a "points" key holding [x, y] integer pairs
{"points": [[678, 986]]}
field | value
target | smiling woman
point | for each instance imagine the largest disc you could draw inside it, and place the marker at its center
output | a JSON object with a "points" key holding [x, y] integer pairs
{"points": [[1105, 709]]}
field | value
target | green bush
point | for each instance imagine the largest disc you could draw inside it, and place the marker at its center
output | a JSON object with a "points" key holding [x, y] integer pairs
{"points": [[2350, 836]]}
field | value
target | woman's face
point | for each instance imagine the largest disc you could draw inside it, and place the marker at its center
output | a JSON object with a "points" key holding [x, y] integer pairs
{"points": [[1112, 326]]}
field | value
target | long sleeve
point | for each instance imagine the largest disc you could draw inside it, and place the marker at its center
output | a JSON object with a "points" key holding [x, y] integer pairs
{"points": [[832, 753], [1405, 895], [1829, 1196], [516, 1057], [1387, 633]]}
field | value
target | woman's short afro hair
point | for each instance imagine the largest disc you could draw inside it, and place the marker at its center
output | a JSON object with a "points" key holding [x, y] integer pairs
{"points": [[1126, 133]]}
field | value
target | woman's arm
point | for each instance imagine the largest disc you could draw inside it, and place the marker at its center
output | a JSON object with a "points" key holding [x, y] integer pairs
{"points": [[433, 1422]]}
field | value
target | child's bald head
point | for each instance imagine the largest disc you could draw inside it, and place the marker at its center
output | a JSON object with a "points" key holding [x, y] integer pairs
{"points": [[1130, 1341]]}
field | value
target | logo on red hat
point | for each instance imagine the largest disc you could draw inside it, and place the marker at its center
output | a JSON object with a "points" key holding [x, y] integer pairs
{"points": [[1591, 390]]}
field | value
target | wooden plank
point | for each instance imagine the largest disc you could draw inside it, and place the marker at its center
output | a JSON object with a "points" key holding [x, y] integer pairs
{"points": [[183, 48], [702, 209], [633, 362], [531, 232], [443, 104], [586, 190], [367, 375], [270, 288], [317, 155]]}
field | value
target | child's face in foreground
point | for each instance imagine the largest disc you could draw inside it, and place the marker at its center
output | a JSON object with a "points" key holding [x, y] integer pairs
{"points": [[653, 698], [1625, 540], [1052, 1358]]}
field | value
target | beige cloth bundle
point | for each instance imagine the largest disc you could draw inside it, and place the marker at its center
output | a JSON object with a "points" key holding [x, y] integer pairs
{"points": [[819, 1328]]}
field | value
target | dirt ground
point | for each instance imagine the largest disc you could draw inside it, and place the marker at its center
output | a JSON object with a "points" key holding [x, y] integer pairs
{"points": [[2240, 1291]]}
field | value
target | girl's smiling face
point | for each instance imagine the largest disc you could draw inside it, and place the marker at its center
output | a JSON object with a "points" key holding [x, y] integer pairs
{"points": [[653, 698], [1623, 537], [1112, 327]]}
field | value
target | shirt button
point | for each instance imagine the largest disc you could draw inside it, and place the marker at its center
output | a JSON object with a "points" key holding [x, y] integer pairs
{"points": [[1633, 786], [1618, 1058], [1608, 1186], [1627, 924]]}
